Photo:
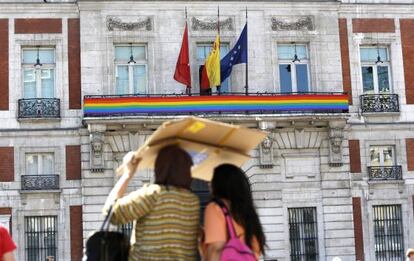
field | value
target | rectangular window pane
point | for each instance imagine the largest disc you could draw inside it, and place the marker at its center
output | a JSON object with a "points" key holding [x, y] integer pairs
{"points": [[48, 82], [285, 78], [383, 79], [370, 54], [388, 156], [140, 79], [46, 56], [303, 234], [367, 79], [29, 83], [203, 50], [287, 51], [123, 53], [41, 238], [32, 164], [382, 156], [122, 80], [375, 156], [47, 164], [388, 232], [302, 77]]}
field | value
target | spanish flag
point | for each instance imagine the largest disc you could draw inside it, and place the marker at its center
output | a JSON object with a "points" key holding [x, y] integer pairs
{"points": [[211, 71]]}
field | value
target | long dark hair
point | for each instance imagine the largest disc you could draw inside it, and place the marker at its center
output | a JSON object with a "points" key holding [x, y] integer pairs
{"points": [[173, 167], [230, 182]]}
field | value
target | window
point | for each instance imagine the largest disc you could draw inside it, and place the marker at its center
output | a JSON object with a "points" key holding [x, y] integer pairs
{"points": [[303, 234], [39, 163], [293, 68], [203, 50], [131, 69], [40, 238], [38, 65], [375, 67], [382, 156], [388, 232]]}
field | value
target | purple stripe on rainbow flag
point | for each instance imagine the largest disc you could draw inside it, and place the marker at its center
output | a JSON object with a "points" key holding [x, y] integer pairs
{"points": [[102, 106]]}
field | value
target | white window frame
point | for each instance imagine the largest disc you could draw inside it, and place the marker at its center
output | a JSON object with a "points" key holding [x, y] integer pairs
{"points": [[40, 156], [201, 62], [293, 67], [381, 149], [374, 66], [38, 70], [131, 66]]}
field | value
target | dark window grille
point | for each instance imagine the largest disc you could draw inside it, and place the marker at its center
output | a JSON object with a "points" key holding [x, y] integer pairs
{"points": [[41, 238], [303, 234], [388, 231]]}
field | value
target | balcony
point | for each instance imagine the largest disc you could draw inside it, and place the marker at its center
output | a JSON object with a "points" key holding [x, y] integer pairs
{"points": [[379, 103], [234, 103], [40, 182], [39, 108], [385, 173]]}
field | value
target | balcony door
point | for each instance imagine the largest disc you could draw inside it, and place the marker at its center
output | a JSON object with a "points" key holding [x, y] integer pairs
{"points": [[375, 69], [39, 164], [382, 156], [38, 65]]}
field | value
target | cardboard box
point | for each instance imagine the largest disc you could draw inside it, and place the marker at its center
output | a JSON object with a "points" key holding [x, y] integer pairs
{"points": [[210, 143]]}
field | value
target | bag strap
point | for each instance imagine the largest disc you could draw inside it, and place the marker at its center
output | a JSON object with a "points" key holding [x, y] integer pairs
{"points": [[227, 215], [105, 224]]}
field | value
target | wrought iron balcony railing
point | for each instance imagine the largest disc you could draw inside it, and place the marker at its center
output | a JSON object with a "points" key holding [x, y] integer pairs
{"points": [[374, 103], [184, 104], [40, 182], [385, 173], [39, 108]]}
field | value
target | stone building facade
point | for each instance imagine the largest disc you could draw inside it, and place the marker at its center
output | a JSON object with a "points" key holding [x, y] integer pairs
{"points": [[327, 183]]}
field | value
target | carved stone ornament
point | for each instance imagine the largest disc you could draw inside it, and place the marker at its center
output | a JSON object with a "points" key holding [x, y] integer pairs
{"points": [[336, 136], [97, 149], [116, 24], [266, 153], [304, 23], [210, 24]]}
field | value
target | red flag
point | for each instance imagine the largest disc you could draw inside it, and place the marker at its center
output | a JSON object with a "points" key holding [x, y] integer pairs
{"points": [[182, 70]]}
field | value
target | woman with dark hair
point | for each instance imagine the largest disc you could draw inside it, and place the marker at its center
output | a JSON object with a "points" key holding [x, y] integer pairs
{"points": [[165, 214], [231, 186]]}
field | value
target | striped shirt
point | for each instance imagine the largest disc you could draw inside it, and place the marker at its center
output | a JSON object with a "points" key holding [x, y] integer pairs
{"points": [[166, 222]]}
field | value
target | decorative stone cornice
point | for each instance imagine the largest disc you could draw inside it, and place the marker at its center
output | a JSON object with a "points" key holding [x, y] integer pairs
{"points": [[116, 24], [293, 23], [210, 24]]}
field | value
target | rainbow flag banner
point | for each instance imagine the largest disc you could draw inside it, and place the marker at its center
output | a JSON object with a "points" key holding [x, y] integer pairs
{"points": [[101, 106]]}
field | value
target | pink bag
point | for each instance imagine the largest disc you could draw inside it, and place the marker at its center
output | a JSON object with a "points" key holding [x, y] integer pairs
{"points": [[234, 249]]}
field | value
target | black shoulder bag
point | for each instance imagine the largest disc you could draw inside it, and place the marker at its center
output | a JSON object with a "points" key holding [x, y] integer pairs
{"points": [[105, 245]]}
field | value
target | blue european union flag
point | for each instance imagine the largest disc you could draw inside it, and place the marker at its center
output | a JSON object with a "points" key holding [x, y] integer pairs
{"points": [[236, 55]]}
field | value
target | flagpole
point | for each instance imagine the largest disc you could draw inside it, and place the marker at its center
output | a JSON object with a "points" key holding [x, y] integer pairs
{"points": [[218, 32], [247, 60], [188, 89]]}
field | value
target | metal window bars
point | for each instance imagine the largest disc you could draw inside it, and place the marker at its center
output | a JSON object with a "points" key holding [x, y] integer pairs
{"points": [[388, 232], [303, 234], [41, 238]]}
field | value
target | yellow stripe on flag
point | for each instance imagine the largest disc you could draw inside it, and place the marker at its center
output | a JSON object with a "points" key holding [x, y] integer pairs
{"points": [[213, 64]]}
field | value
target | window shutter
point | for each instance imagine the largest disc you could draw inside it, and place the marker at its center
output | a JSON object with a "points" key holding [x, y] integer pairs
{"points": [[354, 156], [6, 164], [73, 162], [358, 232], [4, 64], [409, 143], [407, 39], [76, 234], [346, 71], [74, 64]]}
